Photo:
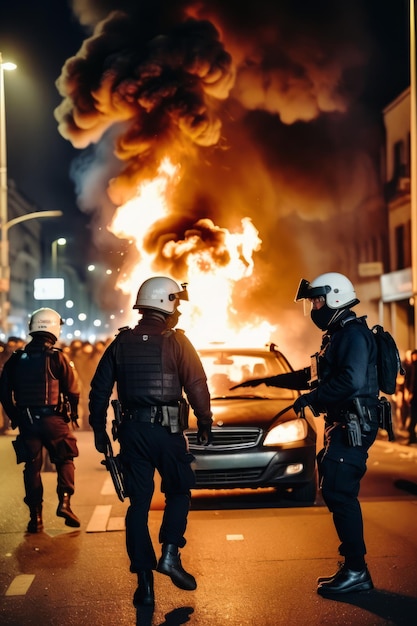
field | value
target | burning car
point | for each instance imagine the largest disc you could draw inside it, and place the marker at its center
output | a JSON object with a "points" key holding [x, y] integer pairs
{"points": [[258, 440]]}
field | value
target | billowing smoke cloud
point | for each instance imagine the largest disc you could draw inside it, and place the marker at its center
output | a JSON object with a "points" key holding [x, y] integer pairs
{"points": [[163, 90], [258, 104]]}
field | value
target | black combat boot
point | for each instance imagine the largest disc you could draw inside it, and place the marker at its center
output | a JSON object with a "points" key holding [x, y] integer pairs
{"points": [[326, 579], [144, 595], [35, 523], [64, 510], [170, 564], [346, 581]]}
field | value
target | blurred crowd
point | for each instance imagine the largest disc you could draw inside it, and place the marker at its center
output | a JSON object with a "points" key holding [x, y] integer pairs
{"points": [[85, 357], [405, 401]]}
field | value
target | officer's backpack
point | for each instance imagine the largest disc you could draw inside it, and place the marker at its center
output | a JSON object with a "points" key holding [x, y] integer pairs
{"points": [[388, 360]]}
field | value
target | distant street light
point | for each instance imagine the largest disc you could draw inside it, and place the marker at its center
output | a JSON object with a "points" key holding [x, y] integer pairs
{"points": [[61, 241]]}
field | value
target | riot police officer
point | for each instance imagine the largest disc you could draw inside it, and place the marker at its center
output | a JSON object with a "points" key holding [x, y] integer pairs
{"points": [[152, 364], [345, 389], [39, 391], [343, 385]]}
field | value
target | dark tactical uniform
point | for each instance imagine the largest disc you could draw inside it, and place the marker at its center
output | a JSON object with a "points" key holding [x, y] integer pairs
{"points": [[343, 383], [32, 385], [151, 365], [347, 370]]}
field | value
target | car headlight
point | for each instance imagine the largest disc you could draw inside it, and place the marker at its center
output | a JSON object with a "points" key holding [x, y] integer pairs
{"points": [[288, 432]]}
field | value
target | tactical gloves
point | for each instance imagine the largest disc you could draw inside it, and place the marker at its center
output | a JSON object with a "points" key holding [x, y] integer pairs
{"points": [[254, 382], [304, 401], [101, 441], [204, 435], [300, 404]]}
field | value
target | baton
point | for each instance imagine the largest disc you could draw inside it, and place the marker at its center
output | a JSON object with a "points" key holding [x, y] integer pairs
{"points": [[112, 464]]}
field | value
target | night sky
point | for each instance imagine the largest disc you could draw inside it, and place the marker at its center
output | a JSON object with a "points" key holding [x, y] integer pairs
{"points": [[40, 36]]}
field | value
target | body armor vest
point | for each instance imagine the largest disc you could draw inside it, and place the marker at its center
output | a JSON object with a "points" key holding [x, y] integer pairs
{"points": [[146, 369], [35, 384]]}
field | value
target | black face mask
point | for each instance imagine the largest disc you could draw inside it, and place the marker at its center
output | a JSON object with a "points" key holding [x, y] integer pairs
{"points": [[172, 320], [323, 317]]}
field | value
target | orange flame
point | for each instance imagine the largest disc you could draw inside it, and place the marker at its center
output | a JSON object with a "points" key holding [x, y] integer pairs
{"points": [[206, 316]]}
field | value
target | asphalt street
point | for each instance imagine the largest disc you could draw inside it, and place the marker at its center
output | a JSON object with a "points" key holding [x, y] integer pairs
{"points": [[255, 559]]}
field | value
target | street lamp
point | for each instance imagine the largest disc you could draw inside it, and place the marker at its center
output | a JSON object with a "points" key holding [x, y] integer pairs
{"points": [[4, 248], [61, 241]]}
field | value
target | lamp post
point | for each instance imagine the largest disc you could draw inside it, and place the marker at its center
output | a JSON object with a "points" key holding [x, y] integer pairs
{"points": [[413, 158], [5, 224], [4, 248], [61, 241]]}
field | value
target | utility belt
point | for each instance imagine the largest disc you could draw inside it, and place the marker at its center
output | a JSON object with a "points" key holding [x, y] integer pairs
{"points": [[32, 413], [365, 412], [360, 419], [173, 417], [152, 414], [357, 424]]}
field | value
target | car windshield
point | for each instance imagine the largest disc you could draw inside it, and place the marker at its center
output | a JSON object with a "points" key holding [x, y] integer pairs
{"points": [[226, 368]]}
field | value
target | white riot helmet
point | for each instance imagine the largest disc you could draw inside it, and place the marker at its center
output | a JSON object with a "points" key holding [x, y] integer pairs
{"points": [[45, 321], [160, 294], [337, 292], [336, 288]]}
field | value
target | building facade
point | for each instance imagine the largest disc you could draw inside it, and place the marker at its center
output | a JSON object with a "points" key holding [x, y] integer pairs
{"points": [[396, 284]]}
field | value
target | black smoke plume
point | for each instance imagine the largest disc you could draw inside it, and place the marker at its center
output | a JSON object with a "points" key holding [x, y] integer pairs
{"points": [[260, 106]]}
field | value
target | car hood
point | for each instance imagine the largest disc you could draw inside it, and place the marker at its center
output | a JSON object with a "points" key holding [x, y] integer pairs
{"points": [[248, 411]]}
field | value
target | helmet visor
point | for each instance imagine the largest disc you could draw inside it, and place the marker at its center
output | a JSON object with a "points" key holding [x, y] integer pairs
{"points": [[307, 293], [180, 295], [305, 290]]}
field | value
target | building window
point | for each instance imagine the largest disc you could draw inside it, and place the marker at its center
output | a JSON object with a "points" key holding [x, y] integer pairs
{"points": [[403, 246], [399, 166]]}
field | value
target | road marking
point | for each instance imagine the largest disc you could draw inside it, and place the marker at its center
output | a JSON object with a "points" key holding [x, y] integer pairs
{"points": [[108, 487], [20, 585], [99, 519], [234, 537]]}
